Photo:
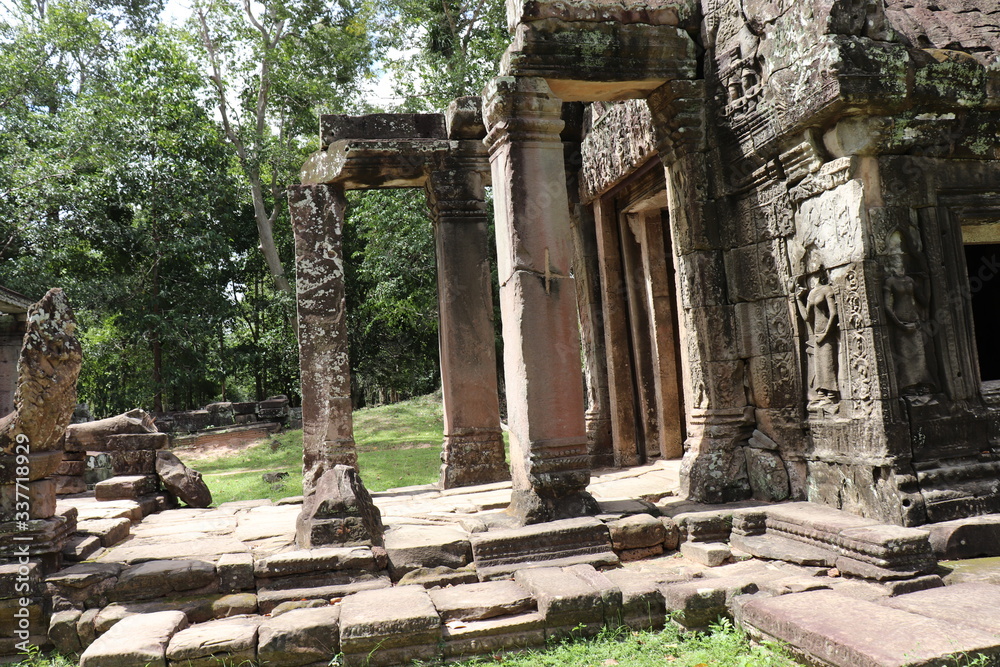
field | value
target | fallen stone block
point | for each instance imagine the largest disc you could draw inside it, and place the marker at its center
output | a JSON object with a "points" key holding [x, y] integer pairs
{"points": [[701, 602], [671, 533], [300, 637], [131, 442], [109, 531], [975, 537], [497, 554], [410, 547], [62, 631], [82, 585], [636, 532], [507, 633], [182, 481], [162, 578], [133, 462], [849, 632], [80, 547], [129, 487], [389, 627], [85, 626], [711, 554], [642, 553], [479, 601], [233, 640], [67, 485], [235, 572], [315, 561], [137, 640]]}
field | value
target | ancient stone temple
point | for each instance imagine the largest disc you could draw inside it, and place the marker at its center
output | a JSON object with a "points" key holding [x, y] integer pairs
{"points": [[770, 228]]}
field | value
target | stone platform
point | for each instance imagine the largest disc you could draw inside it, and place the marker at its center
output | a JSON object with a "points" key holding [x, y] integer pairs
{"points": [[190, 586]]}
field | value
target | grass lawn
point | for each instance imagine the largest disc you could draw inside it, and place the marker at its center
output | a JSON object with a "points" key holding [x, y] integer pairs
{"points": [[398, 445]]}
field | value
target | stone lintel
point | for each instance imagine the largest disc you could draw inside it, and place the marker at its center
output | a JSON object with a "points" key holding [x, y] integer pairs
{"points": [[359, 164], [585, 61], [657, 13], [336, 127]]}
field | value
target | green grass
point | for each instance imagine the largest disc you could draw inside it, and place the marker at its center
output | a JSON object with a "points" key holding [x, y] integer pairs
{"points": [[398, 445], [723, 646]]}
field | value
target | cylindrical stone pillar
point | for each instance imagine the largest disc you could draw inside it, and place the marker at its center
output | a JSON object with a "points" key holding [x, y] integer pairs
{"points": [[317, 213], [543, 373], [473, 442]]}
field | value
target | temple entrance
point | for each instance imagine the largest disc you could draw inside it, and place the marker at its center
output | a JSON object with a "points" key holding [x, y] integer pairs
{"points": [[982, 261], [640, 313]]}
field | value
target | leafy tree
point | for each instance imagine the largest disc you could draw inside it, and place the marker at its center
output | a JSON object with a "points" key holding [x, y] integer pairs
{"points": [[272, 70]]}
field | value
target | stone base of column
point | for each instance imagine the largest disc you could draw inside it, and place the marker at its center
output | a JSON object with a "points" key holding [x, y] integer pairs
{"points": [[714, 468], [475, 457], [528, 506], [329, 454]]}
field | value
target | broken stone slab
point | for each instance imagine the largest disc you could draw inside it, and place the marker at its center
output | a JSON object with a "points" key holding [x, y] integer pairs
{"points": [[642, 553], [975, 537], [314, 561], [491, 636], [701, 602], [126, 487], [775, 547], [203, 547], [109, 531], [162, 578], [849, 632], [300, 637], [197, 608], [207, 644], [973, 605], [328, 587], [437, 577], [389, 626], [479, 601], [182, 481], [711, 554], [410, 547], [235, 572], [643, 607], [499, 553], [340, 511], [636, 531], [570, 597], [92, 436], [137, 640]]}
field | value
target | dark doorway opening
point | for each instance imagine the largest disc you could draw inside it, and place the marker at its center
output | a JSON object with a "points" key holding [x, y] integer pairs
{"points": [[983, 264]]}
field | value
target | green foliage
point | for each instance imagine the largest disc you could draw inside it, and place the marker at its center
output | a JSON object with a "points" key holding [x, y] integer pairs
{"points": [[391, 284], [448, 48]]}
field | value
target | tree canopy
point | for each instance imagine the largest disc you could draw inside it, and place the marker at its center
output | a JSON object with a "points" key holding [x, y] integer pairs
{"points": [[144, 164]]}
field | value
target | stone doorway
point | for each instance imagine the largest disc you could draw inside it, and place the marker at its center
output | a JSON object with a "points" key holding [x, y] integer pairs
{"points": [[641, 325], [982, 261]]}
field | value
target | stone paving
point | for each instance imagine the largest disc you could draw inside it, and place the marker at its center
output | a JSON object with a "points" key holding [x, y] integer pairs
{"points": [[191, 586]]}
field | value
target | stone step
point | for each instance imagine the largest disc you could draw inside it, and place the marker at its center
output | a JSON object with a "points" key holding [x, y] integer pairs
{"points": [[326, 587], [849, 632], [126, 487], [410, 547], [80, 547], [137, 640], [389, 627], [498, 554], [109, 531], [224, 641], [480, 601]]}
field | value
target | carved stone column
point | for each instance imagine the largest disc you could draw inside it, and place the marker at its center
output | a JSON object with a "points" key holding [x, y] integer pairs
{"points": [[720, 419], [473, 443], [550, 463], [317, 213]]}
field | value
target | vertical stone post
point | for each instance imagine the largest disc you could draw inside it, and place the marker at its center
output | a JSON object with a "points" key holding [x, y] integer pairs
{"points": [[720, 419], [12, 329], [550, 464], [317, 213], [473, 443]]}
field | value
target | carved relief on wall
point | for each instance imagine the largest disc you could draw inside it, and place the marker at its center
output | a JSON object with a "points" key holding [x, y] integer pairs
{"points": [[817, 304], [905, 295]]}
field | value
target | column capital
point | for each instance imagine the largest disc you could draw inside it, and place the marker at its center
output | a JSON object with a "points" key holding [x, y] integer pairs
{"points": [[522, 109]]}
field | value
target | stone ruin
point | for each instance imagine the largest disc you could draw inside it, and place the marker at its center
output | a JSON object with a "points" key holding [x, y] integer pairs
{"points": [[768, 228]]}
